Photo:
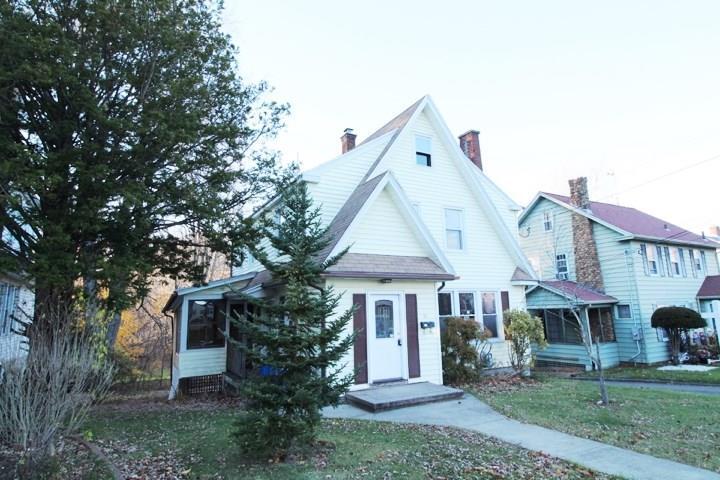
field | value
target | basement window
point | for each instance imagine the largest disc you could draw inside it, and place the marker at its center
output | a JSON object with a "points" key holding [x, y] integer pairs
{"points": [[423, 151]]}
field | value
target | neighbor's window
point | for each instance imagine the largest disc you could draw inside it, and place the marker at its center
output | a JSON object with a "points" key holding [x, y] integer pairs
{"points": [[454, 229], [8, 299], [675, 269], [650, 255], [466, 301], [696, 259], [561, 266], [623, 311], [422, 151], [681, 256], [560, 326], [489, 313], [602, 328], [206, 324], [547, 221]]}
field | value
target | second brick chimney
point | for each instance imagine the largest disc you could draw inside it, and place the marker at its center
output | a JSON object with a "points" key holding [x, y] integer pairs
{"points": [[348, 140], [470, 145], [587, 263]]}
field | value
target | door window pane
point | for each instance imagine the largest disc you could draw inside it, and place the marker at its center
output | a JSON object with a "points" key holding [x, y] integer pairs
{"points": [[384, 326], [490, 313]]}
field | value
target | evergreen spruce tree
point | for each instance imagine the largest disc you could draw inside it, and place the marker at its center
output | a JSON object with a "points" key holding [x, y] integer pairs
{"points": [[294, 344]]}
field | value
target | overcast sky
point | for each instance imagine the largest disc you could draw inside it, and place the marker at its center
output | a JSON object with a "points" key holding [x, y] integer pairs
{"points": [[622, 92]]}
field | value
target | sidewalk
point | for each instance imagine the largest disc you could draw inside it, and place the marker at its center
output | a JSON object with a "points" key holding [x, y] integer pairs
{"points": [[472, 414]]}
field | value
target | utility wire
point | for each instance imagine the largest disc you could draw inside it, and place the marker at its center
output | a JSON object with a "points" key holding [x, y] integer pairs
{"points": [[674, 172]]}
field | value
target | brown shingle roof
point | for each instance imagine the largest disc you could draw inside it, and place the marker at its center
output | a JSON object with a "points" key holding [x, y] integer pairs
{"points": [[365, 265], [710, 287]]}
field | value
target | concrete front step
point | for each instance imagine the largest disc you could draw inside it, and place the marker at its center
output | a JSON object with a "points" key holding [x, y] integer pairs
{"points": [[376, 399]]}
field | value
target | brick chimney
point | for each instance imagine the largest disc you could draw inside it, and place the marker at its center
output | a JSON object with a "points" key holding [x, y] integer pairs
{"points": [[587, 263], [579, 196], [470, 145], [348, 140], [714, 231]]}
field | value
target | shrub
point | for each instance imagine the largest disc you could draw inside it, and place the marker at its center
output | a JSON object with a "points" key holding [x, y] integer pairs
{"points": [[523, 330], [460, 343], [49, 393], [676, 320]]}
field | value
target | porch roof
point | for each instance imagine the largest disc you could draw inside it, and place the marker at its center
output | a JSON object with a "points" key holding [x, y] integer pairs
{"points": [[710, 287], [365, 265], [572, 292]]}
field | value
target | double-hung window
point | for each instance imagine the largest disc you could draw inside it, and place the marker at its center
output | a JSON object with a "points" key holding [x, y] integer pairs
{"points": [[651, 260], [489, 314], [547, 221], [423, 149], [696, 259], [454, 234], [674, 257], [466, 302], [561, 266], [445, 307]]}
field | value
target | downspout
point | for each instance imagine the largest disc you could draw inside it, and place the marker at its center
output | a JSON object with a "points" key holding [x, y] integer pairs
{"points": [[442, 285], [634, 297]]}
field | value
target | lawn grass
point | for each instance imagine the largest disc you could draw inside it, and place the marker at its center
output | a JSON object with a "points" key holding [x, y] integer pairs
{"points": [[683, 427], [652, 373], [200, 441]]}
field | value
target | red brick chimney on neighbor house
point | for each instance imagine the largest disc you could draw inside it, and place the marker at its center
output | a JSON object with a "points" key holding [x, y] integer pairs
{"points": [[714, 231], [587, 263], [470, 145], [348, 140]]}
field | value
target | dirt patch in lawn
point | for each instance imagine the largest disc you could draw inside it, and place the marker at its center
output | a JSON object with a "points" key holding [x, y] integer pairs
{"points": [[503, 384]]}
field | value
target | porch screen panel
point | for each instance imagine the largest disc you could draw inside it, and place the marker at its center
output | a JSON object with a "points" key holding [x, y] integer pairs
{"points": [[601, 324]]}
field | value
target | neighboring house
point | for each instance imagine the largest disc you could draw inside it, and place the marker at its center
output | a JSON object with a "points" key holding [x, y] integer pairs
{"points": [[709, 301], [16, 304], [714, 235], [614, 264], [430, 236]]}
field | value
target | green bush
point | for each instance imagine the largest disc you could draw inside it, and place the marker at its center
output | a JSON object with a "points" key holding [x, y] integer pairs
{"points": [[675, 320], [460, 344], [523, 330], [677, 317]]}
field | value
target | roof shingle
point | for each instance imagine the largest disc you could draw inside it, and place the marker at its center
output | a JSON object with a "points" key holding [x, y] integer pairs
{"points": [[710, 287], [639, 223]]}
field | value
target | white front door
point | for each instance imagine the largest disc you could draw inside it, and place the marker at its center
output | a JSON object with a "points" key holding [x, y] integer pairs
{"points": [[385, 339]]}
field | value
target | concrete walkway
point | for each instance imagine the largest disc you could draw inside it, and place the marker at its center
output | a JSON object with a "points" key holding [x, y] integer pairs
{"points": [[472, 414]]}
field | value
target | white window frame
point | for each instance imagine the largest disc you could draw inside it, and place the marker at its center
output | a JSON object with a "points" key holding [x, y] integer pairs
{"points": [[420, 150], [463, 245], [651, 256], [473, 315], [617, 311], [561, 275], [675, 267], [479, 313], [696, 260], [548, 221]]}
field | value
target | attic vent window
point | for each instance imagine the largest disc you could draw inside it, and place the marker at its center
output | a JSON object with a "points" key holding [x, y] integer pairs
{"points": [[422, 151]]}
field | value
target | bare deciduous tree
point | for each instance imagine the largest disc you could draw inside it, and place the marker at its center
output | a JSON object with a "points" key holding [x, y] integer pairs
{"points": [[48, 394]]}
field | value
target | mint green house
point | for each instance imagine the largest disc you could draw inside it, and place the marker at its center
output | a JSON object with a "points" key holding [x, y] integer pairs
{"points": [[614, 265]]}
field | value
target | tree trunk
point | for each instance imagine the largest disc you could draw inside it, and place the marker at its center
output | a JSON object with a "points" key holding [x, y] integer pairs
{"points": [[603, 388]]}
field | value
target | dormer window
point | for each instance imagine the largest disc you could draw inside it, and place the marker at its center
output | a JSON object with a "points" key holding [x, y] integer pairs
{"points": [[422, 150]]}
